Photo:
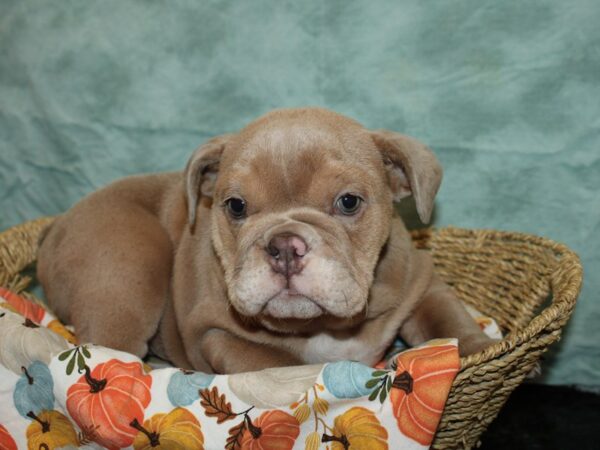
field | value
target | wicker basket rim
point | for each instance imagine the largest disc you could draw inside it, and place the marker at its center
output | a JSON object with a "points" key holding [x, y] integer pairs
{"points": [[565, 279], [564, 290]]}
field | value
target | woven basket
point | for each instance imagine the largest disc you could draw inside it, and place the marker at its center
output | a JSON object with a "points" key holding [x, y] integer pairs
{"points": [[507, 276]]}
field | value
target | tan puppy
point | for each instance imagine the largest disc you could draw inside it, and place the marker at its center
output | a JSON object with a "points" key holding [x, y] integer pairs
{"points": [[277, 246]]}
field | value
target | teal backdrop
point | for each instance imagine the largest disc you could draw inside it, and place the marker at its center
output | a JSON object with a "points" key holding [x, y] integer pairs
{"points": [[507, 93]]}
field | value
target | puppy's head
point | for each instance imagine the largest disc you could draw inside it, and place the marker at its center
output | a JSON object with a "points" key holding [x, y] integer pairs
{"points": [[302, 202]]}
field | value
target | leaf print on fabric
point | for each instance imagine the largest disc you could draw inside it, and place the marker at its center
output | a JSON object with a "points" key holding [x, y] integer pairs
{"points": [[184, 386], [108, 398], [347, 379], [420, 389], [216, 405], [272, 430], [177, 430], [34, 390], [6, 440], [22, 342], [234, 440], [21, 305], [76, 356], [87, 435], [50, 430], [357, 429], [381, 383]]}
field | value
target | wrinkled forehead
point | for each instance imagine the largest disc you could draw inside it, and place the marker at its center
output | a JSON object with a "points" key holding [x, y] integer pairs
{"points": [[288, 140], [299, 149], [284, 140]]}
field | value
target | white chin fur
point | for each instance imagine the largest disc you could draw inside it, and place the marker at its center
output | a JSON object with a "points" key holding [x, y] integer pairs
{"points": [[285, 306]]}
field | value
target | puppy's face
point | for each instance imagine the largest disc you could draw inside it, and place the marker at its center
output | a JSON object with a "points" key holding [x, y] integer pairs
{"points": [[301, 208]]}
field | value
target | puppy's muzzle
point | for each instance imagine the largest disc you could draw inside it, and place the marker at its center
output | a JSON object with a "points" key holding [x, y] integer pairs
{"points": [[285, 253]]}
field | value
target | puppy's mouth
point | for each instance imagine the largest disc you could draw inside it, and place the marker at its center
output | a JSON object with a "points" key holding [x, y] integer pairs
{"points": [[297, 278], [291, 304]]}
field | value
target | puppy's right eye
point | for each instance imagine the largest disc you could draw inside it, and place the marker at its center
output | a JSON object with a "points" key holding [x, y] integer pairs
{"points": [[236, 208], [348, 204]]}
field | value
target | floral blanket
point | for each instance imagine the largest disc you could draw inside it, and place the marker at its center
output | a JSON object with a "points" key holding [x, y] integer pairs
{"points": [[58, 393]]}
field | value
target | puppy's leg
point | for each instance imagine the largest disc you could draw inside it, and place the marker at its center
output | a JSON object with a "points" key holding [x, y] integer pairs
{"points": [[440, 314], [226, 353], [105, 267]]}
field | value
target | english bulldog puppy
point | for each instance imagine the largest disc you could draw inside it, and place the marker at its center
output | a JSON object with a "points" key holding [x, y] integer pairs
{"points": [[277, 245]]}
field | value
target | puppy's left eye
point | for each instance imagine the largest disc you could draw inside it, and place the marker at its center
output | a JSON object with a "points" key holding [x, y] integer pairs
{"points": [[236, 208], [348, 204]]}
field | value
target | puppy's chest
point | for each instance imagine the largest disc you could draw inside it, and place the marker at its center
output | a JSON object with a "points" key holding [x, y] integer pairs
{"points": [[327, 347]]}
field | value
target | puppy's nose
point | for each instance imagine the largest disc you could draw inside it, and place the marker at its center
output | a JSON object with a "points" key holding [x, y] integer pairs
{"points": [[286, 252]]}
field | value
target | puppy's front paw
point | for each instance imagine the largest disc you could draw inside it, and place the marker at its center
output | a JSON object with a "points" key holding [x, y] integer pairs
{"points": [[474, 343]]}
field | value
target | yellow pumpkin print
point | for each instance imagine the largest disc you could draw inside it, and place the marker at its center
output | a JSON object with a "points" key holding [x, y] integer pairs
{"points": [[50, 430], [177, 430], [357, 429]]}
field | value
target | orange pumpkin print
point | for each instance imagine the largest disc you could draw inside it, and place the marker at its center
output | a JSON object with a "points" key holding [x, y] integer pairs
{"points": [[357, 429], [108, 399], [21, 305], [178, 430], [6, 440], [273, 430], [420, 388]]}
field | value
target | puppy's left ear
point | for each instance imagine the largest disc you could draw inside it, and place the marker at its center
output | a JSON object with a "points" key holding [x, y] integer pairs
{"points": [[412, 169], [201, 172]]}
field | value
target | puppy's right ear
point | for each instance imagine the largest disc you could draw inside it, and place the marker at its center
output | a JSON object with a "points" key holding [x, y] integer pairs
{"points": [[412, 169], [201, 172]]}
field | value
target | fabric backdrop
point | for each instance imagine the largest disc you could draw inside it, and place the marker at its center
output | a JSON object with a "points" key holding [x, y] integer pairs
{"points": [[506, 93]]}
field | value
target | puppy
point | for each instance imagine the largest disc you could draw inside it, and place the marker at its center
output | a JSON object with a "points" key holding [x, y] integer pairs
{"points": [[278, 245]]}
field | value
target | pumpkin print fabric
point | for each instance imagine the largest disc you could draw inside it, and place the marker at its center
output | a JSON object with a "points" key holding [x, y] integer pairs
{"points": [[21, 305], [6, 440], [62, 395], [50, 430], [108, 399], [272, 430], [176, 430], [358, 428], [420, 388]]}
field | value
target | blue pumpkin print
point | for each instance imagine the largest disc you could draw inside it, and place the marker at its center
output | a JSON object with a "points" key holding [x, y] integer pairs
{"points": [[184, 385], [347, 379], [34, 389]]}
